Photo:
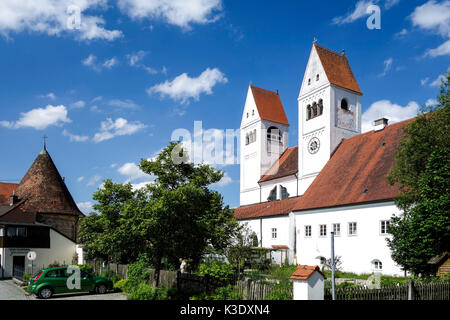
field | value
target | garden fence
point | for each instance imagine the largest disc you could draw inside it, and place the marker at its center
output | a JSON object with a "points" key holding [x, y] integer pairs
{"points": [[409, 291]]}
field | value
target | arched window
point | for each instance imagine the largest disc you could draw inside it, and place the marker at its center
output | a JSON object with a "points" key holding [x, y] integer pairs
{"points": [[344, 104], [320, 107], [314, 110], [308, 112], [273, 134], [317, 77], [284, 193], [309, 82], [247, 139], [273, 194], [322, 260], [377, 265]]}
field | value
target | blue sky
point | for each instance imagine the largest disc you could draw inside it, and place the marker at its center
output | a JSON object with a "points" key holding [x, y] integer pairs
{"points": [[112, 90]]}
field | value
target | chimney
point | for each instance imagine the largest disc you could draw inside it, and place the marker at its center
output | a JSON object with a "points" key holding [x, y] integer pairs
{"points": [[380, 124], [13, 199]]}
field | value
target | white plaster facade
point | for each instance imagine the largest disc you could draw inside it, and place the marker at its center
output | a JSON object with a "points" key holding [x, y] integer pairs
{"points": [[61, 250], [335, 124]]}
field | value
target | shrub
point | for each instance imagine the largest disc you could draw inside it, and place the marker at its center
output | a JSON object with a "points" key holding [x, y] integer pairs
{"points": [[282, 291], [229, 292], [124, 285], [86, 268], [146, 292], [138, 272], [111, 275], [54, 264], [218, 270]]}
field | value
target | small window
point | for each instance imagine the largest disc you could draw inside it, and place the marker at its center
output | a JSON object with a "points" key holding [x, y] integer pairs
{"points": [[247, 114], [317, 77], [344, 104], [253, 112], [323, 230], [320, 107], [309, 82], [308, 112], [284, 193], [384, 226], [337, 229], [307, 231], [377, 265], [274, 233], [273, 194], [352, 228], [16, 232]]}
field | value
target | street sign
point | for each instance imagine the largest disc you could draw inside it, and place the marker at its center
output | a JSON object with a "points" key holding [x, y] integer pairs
{"points": [[31, 255]]}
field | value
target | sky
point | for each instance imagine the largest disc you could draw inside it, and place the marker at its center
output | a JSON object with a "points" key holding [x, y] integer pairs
{"points": [[109, 82]]}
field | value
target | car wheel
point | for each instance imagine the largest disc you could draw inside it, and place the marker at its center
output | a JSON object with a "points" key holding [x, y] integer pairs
{"points": [[45, 293], [100, 288]]}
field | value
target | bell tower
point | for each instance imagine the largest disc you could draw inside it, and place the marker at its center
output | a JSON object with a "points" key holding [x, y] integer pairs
{"points": [[329, 109], [264, 133]]}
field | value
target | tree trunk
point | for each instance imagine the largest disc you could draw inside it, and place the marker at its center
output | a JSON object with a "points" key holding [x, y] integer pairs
{"points": [[157, 271]]}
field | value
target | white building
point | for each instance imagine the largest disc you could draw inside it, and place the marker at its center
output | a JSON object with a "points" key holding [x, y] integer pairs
{"points": [[334, 180]]}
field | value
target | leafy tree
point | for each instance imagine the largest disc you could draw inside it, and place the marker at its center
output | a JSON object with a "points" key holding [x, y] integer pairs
{"points": [[241, 247], [422, 171], [176, 216]]}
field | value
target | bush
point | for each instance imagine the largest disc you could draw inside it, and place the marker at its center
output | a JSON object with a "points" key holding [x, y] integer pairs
{"points": [[86, 268], [123, 285], [111, 275], [229, 292], [54, 264], [138, 272], [282, 291], [146, 292], [218, 270]]}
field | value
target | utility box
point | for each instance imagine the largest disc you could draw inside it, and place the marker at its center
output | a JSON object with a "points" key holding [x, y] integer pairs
{"points": [[308, 283]]}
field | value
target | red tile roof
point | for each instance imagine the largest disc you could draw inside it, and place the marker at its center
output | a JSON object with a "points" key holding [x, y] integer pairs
{"points": [[279, 246], [356, 173], [337, 69], [287, 165], [304, 272], [265, 209], [269, 105], [6, 190]]}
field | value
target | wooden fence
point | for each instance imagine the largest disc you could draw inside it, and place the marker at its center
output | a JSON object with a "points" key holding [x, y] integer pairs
{"points": [[256, 290], [409, 291]]}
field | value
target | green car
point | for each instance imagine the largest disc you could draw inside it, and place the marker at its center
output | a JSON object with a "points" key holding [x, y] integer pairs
{"points": [[47, 282]]}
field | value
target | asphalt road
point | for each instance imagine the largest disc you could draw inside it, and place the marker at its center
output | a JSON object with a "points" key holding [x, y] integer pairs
{"points": [[10, 291]]}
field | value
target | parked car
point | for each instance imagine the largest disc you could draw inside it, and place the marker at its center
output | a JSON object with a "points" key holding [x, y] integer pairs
{"points": [[47, 282]]}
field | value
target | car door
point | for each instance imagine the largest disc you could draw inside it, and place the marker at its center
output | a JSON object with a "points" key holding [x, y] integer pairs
{"points": [[87, 282], [57, 280]]}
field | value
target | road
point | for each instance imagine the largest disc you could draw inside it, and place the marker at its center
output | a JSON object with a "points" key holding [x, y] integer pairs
{"points": [[10, 291]]}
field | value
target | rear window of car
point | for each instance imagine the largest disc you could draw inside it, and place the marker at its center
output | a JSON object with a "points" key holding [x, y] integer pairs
{"points": [[35, 275], [58, 273]]}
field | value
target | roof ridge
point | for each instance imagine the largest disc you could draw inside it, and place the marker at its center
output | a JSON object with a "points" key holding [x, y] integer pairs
{"points": [[270, 91], [332, 51]]}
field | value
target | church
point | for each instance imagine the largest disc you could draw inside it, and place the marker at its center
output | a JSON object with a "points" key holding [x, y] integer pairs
{"points": [[40, 215], [334, 180]]}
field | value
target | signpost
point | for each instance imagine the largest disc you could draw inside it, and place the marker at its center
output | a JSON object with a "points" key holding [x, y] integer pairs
{"points": [[31, 255], [332, 267]]}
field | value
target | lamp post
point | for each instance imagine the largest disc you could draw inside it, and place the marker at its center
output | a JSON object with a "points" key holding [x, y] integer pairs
{"points": [[332, 267]]}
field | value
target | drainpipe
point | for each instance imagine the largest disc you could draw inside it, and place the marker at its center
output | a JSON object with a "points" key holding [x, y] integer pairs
{"points": [[260, 230], [296, 175]]}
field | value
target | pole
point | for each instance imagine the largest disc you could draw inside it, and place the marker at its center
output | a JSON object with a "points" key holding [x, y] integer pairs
{"points": [[332, 267]]}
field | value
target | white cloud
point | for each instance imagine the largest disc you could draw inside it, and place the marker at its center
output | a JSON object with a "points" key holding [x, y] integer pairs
{"points": [[433, 16], [80, 179], [74, 137], [389, 110], [226, 180], [442, 50], [424, 81], [123, 104], [109, 63], [78, 105], [50, 96], [358, 13], [40, 118], [387, 66], [390, 3], [120, 127], [54, 17], [91, 62], [134, 60], [431, 102], [93, 180], [85, 207], [183, 87], [181, 13], [401, 33], [438, 81], [132, 171]]}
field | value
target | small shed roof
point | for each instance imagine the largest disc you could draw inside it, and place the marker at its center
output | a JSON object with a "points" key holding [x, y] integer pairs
{"points": [[305, 272]]}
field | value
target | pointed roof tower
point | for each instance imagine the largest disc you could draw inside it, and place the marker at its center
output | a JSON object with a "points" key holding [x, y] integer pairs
{"points": [[44, 190], [269, 105]]}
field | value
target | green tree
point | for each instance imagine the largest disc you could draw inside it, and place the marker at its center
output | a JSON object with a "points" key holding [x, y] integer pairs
{"points": [[422, 173], [241, 247], [176, 216]]}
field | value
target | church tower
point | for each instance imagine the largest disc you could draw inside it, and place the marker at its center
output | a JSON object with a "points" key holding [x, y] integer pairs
{"points": [[329, 109], [264, 137]]}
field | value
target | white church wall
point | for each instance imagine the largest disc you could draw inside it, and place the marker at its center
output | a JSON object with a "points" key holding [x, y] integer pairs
{"points": [[357, 251], [289, 182]]}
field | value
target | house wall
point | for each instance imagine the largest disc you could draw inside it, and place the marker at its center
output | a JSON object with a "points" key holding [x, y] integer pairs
{"points": [[281, 223], [61, 250], [357, 251]]}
